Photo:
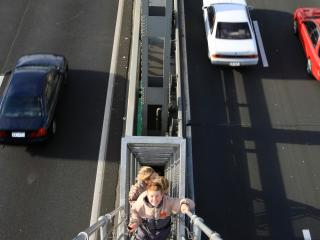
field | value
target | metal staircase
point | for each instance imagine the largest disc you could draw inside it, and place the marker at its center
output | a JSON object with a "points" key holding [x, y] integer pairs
{"points": [[167, 153], [154, 109]]}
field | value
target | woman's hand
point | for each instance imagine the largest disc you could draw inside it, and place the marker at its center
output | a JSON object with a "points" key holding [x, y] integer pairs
{"points": [[184, 208], [132, 227]]}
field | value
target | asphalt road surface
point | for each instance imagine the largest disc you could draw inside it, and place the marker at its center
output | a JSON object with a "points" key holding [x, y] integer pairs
{"points": [[255, 131], [47, 190]]}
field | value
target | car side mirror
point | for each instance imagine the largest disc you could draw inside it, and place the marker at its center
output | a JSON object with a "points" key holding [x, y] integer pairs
{"points": [[59, 69], [8, 72], [250, 8], [204, 7]]}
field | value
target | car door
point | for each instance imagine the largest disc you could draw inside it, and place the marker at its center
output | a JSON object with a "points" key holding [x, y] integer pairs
{"points": [[307, 28], [313, 55], [57, 82], [209, 20], [250, 24], [49, 96], [316, 65]]}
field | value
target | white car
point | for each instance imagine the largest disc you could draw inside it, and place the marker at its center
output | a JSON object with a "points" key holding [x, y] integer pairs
{"points": [[230, 35]]}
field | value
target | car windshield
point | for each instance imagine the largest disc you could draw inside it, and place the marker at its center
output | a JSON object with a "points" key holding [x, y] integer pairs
{"points": [[22, 106], [229, 30]]}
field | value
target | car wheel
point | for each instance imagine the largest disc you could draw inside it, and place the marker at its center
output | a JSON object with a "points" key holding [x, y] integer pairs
{"points": [[53, 128], [295, 27], [309, 66]]}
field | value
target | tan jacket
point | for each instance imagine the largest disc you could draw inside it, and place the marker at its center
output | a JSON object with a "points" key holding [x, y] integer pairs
{"points": [[135, 191], [142, 209]]}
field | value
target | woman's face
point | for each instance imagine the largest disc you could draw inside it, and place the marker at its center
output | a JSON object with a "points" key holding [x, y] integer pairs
{"points": [[154, 197]]}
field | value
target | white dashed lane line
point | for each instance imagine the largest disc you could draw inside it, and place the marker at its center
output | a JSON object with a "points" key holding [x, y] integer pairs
{"points": [[260, 44], [306, 234]]}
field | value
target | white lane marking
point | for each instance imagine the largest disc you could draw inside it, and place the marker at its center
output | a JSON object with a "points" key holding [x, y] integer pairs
{"points": [[1, 79], [16, 35], [98, 188], [260, 43], [306, 234]]}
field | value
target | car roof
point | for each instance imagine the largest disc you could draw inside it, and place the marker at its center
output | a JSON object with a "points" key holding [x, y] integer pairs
{"points": [[211, 2], [230, 13], [27, 82]]}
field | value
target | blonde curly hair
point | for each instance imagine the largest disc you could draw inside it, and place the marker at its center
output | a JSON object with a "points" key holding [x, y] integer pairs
{"points": [[145, 173], [160, 183], [164, 182]]}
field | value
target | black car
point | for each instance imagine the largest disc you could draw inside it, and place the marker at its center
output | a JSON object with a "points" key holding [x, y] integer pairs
{"points": [[30, 97]]}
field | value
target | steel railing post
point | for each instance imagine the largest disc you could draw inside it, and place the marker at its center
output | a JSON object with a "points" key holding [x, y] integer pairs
{"points": [[101, 224], [196, 232], [82, 236], [103, 227], [197, 221]]}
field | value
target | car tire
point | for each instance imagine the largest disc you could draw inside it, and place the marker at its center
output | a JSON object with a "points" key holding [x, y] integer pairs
{"points": [[53, 128], [309, 67], [295, 27]]}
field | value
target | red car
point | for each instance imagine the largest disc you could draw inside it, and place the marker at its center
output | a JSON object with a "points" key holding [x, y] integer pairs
{"points": [[306, 24]]}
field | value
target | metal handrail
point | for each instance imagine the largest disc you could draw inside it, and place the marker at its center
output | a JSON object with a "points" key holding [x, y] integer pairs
{"points": [[198, 224], [101, 224]]}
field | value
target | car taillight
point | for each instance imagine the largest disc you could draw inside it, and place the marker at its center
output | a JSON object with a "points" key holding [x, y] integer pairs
{"points": [[41, 132], [3, 134], [252, 56], [216, 56]]}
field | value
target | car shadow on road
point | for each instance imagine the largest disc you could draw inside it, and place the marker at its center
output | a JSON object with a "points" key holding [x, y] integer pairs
{"points": [[284, 51], [79, 115]]}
